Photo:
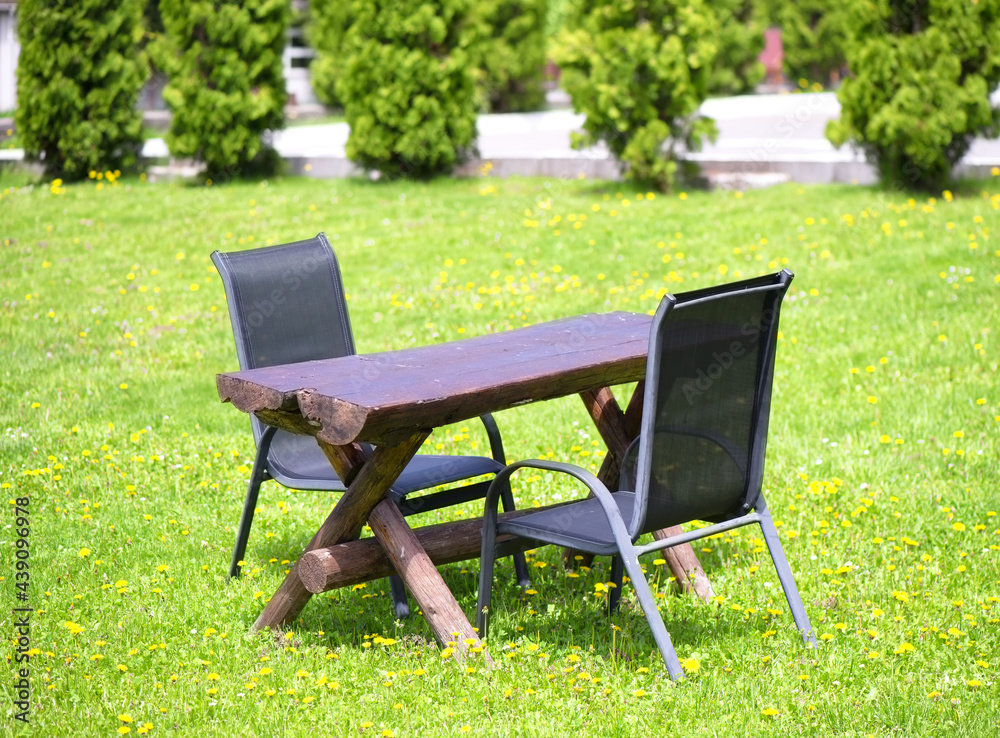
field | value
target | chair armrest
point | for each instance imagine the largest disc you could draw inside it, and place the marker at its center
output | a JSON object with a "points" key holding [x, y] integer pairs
{"points": [[493, 434], [591, 482]]}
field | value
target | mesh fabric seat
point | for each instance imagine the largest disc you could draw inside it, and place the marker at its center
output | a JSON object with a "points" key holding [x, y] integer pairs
{"points": [[700, 454], [287, 305]]}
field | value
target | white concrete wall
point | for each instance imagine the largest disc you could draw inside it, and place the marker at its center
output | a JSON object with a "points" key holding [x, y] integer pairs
{"points": [[9, 50]]}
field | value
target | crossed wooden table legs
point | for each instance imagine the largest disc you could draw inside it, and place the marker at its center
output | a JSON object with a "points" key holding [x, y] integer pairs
{"points": [[369, 481]]}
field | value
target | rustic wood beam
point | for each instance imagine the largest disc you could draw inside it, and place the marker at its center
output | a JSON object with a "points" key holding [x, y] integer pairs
{"points": [[344, 523], [437, 604], [364, 560], [684, 565]]}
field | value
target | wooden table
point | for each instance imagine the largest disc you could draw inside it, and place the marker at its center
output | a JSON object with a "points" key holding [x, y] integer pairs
{"points": [[394, 400]]}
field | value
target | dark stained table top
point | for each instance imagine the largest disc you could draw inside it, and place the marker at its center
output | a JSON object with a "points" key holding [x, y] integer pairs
{"points": [[380, 398]]}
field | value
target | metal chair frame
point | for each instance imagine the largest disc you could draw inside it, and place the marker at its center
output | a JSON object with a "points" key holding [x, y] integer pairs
{"points": [[424, 471], [625, 512]]}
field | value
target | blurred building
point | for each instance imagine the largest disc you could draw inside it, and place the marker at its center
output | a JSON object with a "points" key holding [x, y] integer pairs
{"points": [[297, 57], [9, 49]]}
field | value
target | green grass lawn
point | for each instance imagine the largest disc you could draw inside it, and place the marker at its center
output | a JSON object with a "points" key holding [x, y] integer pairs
{"points": [[882, 464]]}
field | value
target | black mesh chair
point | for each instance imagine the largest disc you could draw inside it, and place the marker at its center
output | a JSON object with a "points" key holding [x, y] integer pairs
{"points": [[287, 305], [699, 456]]}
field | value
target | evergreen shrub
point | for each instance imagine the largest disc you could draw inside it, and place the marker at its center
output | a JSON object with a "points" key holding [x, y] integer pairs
{"points": [[639, 70], [509, 53], [325, 28], [741, 39], [919, 92], [408, 87], [813, 36], [79, 76], [227, 87]]}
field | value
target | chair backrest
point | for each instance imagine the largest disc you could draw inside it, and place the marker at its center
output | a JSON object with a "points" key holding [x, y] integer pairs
{"points": [[707, 403], [286, 304]]}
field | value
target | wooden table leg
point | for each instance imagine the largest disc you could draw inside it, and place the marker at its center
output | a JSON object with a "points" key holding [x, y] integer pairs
{"points": [[612, 425], [344, 523], [422, 579], [618, 430]]}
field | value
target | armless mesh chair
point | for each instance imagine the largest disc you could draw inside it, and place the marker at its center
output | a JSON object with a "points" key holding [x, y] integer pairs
{"points": [[699, 456], [287, 305]]}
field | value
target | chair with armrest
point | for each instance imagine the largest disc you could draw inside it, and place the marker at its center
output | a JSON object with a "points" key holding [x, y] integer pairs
{"points": [[699, 455], [287, 304]]}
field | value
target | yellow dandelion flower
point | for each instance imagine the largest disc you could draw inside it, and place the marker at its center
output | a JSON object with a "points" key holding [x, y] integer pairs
{"points": [[769, 712], [691, 665]]}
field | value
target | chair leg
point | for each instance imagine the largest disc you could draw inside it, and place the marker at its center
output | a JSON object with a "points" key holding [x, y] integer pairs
{"points": [[246, 519], [520, 565], [617, 577], [398, 590], [785, 574], [486, 560], [648, 602]]}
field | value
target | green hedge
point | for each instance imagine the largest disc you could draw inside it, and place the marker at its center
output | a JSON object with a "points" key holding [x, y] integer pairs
{"points": [[407, 86], [505, 41], [639, 70], [509, 53], [227, 88], [741, 39], [79, 76], [326, 26], [813, 34], [922, 74]]}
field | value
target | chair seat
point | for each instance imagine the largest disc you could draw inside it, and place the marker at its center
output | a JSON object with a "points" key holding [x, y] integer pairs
{"points": [[298, 462], [580, 525]]}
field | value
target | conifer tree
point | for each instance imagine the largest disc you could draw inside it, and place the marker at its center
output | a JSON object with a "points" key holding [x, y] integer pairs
{"points": [[741, 39], [79, 76], [919, 92], [227, 87], [325, 28], [407, 85], [639, 71], [510, 53]]}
